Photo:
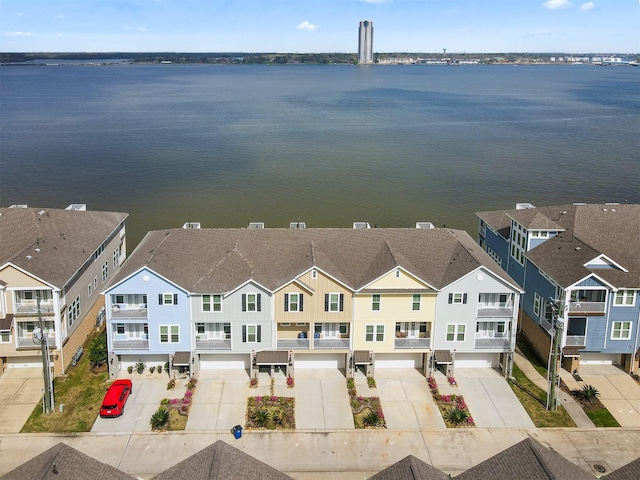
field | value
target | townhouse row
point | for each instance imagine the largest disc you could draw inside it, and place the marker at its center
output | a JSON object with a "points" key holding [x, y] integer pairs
{"points": [[579, 266], [214, 298], [53, 265]]}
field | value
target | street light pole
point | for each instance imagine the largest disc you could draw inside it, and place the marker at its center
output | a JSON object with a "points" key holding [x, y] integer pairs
{"points": [[40, 334], [552, 398]]}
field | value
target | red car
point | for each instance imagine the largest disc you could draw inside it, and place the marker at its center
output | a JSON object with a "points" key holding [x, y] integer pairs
{"points": [[115, 398]]}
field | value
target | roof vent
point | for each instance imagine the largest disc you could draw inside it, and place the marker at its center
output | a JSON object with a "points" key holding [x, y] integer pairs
{"points": [[78, 207], [578, 248], [42, 212], [425, 225], [524, 206], [297, 225], [361, 225], [191, 225], [37, 250], [28, 257], [255, 225], [19, 206]]}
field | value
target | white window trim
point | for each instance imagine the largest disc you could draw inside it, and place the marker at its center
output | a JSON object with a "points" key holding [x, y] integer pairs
{"points": [[621, 329], [626, 293], [537, 303], [8, 334], [374, 303], [255, 332], [314, 274], [169, 334], [413, 302], [285, 324], [337, 302], [105, 271], [89, 289], [296, 303], [456, 332], [374, 333], [74, 311], [455, 300], [164, 299], [212, 303]]}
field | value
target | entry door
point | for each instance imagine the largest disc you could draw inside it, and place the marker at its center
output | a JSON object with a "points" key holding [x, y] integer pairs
{"points": [[411, 328], [331, 330]]}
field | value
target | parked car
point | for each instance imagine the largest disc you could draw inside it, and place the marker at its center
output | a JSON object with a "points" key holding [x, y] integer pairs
{"points": [[116, 398]]}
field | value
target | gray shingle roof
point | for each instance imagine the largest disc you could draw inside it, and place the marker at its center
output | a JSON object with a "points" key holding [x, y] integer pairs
{"points": [[219, 260], [630, 471], [526, 460], [221, 461], [70, 464], [410, 468], [53, 244]]}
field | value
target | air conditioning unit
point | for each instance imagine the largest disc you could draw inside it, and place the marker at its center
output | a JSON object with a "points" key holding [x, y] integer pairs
{"points": [[361, 225], [297, 225], [190, 225], [425, 225], [256, 225]]}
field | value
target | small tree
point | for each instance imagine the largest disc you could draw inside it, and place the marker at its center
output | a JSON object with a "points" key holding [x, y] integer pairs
{"points": [[98, 350]]}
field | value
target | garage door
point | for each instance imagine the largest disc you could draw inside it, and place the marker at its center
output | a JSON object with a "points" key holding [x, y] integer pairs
{"points": [[473, 360], [24, 362], [599, 359], [224, 362], [335, 360], [409, 360]]}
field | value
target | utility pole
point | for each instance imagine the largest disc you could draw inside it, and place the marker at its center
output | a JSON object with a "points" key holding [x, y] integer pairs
{"points": [[552, 397], [40, 334]]}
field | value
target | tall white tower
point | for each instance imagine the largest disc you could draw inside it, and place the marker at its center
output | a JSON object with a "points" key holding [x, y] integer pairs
{"points": [[365, 42]]}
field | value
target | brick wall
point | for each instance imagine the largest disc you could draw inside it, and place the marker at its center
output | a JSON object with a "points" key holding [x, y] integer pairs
{"points": [[537, 337]]}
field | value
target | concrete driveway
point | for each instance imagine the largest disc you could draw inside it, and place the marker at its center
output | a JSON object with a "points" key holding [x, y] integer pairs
{"points": [[322, 401], [618, 392], [405, 398], [20, 392], [489, 397], [146, 393]]}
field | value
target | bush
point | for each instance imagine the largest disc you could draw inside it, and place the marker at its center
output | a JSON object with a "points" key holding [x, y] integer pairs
{"points": [[261, 417], [371, 382], [159, 368], [130, 369], [456, 416], [98, 350], [371, 419], [160, 419], [172, 384], [140, 366], [152, 369], [589, 393]]}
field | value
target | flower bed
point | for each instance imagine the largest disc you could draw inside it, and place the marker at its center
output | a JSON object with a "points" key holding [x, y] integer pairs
{"points": [[453, 408], [271, 413], [177, 410], [367, 412]]}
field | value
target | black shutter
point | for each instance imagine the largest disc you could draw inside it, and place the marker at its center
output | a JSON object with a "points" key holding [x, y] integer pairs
{"points": [[159, 299], [451, 298], [341, 302], [259, 308], [300, 302], [175, 298], [244, 334], [464, 298], [286, 302], [259, 333], [244, 305], [326, 302]]}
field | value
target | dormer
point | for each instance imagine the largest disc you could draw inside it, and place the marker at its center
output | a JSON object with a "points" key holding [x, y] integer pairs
{"points": [[602, 262]]}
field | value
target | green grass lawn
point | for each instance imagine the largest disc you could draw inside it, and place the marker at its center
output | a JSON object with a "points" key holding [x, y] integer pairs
{"points": [[534, 400], [81, 392], [602, 418], [531, 355]]}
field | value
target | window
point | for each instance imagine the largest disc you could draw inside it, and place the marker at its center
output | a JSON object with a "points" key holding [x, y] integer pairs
{"points": [[116, 258], [200, 328], [625, 298], [89, 289], [120, 328], [343, 329], [415, 303], [455, 332], [95, 282], [621, 331], [99, 251], [374, 333], [169, 333], [105, 271], [251, 302], [536, 305], [251, 334], [375, 302], [118, 298], [494, 255], [397, 273], [5, 336], [211, 303], [457, 298], [333, 302], [314, 274], [293, 302], [167, 299], [285, 324], [74, 310]]}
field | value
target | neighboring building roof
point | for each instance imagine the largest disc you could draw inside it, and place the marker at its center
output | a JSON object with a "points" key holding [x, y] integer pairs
{"points": [[498, 220], [64, 462], [53, 244], [221, 461], [630, 471], [220, 260], [586, 232], [410, 468], [526, 460]]}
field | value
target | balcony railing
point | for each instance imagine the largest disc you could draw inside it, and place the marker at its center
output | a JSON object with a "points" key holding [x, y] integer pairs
{"points": [[576, 340], [592, 308], [131, 344], [293, 344], [213, 344], [123, 311], [489, 311], [410, 343], [27, 342], [32, 307], [330, 343], [503, 342]]}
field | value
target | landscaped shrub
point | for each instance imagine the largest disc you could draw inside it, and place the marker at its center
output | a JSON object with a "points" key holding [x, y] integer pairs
{"points": [[152, 369], [130, 369], [172, 384], [371, 382], [160, 419], [374, 419], [456, 416], [98, 350], [140, 366], [261, 417], [290, 382], [589, 393], [159, 368]]}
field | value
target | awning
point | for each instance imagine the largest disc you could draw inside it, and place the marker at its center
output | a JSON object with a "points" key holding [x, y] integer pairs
{"points": [[361, 357], [571, 352], [273, 357], [443, 357], [5, 323], [181, 359]]}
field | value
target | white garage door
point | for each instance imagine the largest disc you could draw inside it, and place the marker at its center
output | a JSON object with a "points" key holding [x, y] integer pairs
{"points": [[599, 359], [224, 362], [24, 362], [336, 360], [473, 360], [408, 360]]}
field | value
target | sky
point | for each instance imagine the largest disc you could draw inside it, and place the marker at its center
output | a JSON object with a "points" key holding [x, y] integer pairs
{"points": [[316, 26]]}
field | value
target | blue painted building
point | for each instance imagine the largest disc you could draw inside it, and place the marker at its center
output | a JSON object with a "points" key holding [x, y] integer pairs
{"points": [[584, 256]]}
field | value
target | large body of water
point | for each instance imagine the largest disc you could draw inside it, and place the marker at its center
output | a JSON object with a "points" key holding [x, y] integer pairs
{"points": [[327, 145]]}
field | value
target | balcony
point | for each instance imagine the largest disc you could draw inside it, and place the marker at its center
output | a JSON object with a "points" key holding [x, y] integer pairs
{"points": [[490, 311], [499, 343], [26, 342], [576, 340], [412, 343], [586, 308], [31, 307], [330, 343], [131, 344], [129, 311], [213, 344], [293, 344]]}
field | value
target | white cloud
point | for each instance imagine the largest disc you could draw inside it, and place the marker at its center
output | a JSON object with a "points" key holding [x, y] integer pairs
{"points": [[374, 1], [555, 4], [60, 15], [587, 6], [307, 26], [18, 34]]}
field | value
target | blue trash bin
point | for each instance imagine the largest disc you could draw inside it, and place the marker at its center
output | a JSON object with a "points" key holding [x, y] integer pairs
{"points": [[237, 431]]}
